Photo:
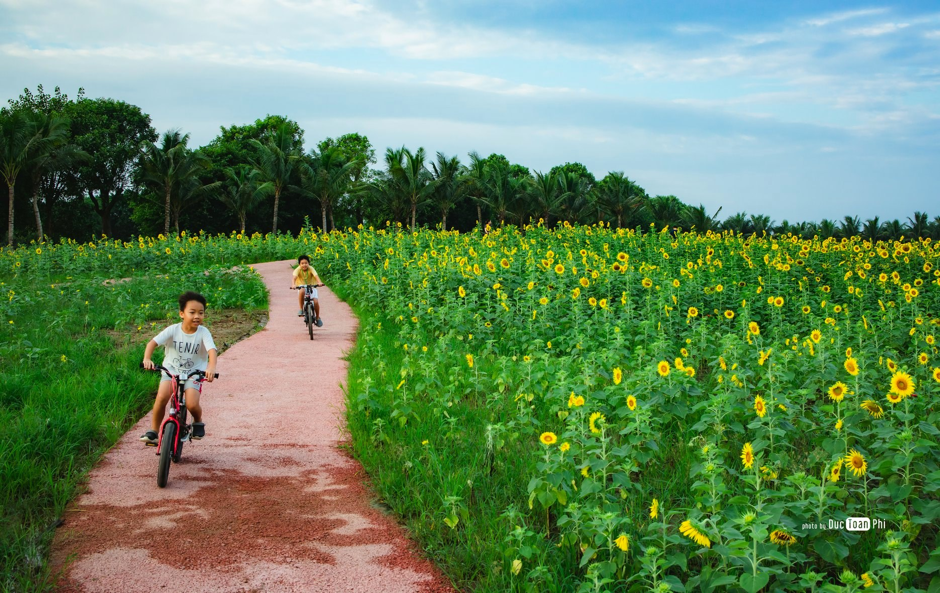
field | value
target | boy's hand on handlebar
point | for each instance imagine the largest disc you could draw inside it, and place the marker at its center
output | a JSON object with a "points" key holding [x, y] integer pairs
{"points": [[148, 364]]}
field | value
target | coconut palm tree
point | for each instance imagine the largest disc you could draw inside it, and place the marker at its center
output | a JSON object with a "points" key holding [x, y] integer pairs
{"points": [[326, 175], [501, 189], [17, 140], [893, 230], [171, 171], [697, 219], [871, 230], [544, 196], [666, 212], [850, 227], [761, 223], [738, 223], [618, 197], [242, 191], [579, 203], [919, 225], [276, 159], [450, 185], [413, 178], [51, 135], [826, 229]]}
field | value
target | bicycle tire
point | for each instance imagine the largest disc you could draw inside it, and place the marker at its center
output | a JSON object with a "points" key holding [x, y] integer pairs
{"points": [[308, 317], [166, 452], [179, 447]]}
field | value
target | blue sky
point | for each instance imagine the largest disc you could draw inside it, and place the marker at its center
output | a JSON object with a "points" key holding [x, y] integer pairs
{"points": [[800, 110]]}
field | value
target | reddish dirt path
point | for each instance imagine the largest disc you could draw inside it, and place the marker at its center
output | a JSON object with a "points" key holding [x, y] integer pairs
{"points": [[266, 502]]}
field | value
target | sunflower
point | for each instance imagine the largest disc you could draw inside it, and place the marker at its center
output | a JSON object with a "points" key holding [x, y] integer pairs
{"points": [[490, 266], [647, 283], [623, 542], [564, 447], [856, 462], [837, 391], [654, 509], [902, 384], [596, 417], [688, 530], [892, 366], [873, 408], [622, 256], [662, 368], [618, 376], [753, 328], [719, 288], [815, 336], [470, 360], [576, 292], [675, 283], [631, 403], [592, 301], [679, 364], [922, 358], [548, 438], [693, 312], [559, 269], [851, 366], [461, 292], [866, 578], [690, 372], [543, 301], [936, 374], [504, 262], [894, 398], [585, 282], [760, 407], [782, 538], [575, 401], [729, 314], [747, 456], [806, 309], [835, 472], [778, 302]]}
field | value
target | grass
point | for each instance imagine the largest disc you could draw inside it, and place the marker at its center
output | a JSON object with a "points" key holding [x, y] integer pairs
{"points": [[70, 389]]}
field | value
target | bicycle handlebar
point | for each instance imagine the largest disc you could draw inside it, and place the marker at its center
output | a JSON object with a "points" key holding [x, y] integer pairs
{"points": [[306, 285], [159, 368]]}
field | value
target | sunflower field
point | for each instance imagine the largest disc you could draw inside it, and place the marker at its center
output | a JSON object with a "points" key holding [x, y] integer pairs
{"points": [[597, 409]]}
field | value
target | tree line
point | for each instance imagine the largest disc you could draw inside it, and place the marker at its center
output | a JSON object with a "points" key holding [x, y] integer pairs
{"points": [[81, 167]]}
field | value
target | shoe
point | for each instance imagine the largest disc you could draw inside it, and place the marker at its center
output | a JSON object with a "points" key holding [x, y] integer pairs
{"points": [[199, 430], [149, 438], [319, 322], [300, 313]]}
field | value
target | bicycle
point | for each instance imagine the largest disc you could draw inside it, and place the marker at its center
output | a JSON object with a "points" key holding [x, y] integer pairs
{"points": [[175, 430], [310, 316]]}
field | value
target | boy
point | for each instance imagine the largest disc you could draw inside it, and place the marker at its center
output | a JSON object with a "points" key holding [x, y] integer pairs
{"points": [[189, 346], [305, 274]]}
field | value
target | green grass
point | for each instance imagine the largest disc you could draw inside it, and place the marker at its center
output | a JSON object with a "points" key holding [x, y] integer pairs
{"points": [[71, 388]]}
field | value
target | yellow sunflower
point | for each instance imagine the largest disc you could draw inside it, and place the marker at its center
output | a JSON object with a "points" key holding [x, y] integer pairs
{"points": [[873, 408], [729, 314], [618, 376], [593, 420], [688, 530], [815, 336], [806, 309], [663, 368], [631, 403], [747, 456], [835, 472], [470, 360], [778, 302], [623, 542], [856, 462], [753, 328], [693, 312], [782, 538], [461, 292], [936, 374], [647, 283], [760, 407], [575, 401], [922, 358], [902, 384], [851, 366], [654, 509], [559, 269], [585, 282], [894, 398], [548, 438], [837, 391]]}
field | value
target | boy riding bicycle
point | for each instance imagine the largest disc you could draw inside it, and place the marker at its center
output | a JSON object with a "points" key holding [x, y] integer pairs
{"points": [[304, 274], [189, 347]]}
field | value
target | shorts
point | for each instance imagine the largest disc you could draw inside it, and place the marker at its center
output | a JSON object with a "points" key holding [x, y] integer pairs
{"points": [[190, 383], [313, 293]]}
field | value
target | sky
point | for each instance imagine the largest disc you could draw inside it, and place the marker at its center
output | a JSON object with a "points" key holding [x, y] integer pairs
{"points": [[800, 110]]}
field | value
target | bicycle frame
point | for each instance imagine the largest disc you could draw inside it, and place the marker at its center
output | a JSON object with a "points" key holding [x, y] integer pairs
{"points": [[177, 414]]}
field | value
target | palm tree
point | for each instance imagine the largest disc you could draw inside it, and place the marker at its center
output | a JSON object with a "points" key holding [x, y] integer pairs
{"points": [[826, 229], [243, 191], [893, 230], [761, 223], [578, 200], [51, 133], [666, 212], [935, 228], [501, 189], [412, 177], [17, 141], [697, 219], [850, 226], [919, 225], [171, 171], [738, 223], [545, 196], [618, 197], [450, 185], [871, 230], [275, 160], [476, 173], [326, 175]]}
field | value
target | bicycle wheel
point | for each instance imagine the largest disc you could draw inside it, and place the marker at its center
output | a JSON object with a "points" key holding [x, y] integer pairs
{"points": [[183, 432], [166, 452], [308, 317]]}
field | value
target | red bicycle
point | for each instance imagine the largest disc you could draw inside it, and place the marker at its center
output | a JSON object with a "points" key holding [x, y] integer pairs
{"points": [[175, 429]]}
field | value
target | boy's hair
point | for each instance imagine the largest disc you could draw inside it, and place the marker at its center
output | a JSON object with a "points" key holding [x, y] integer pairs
{"points": [[302, 258], [191, 296]]}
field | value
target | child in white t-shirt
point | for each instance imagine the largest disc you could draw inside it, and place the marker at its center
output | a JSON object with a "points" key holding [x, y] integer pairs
{"points": [[189, 346]]}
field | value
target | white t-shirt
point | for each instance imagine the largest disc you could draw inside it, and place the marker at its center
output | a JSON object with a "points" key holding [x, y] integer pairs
{"points": [[185, 352]]}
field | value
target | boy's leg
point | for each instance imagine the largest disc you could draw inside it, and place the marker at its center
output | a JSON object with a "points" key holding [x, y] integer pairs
{"points": [[300, 299], [192, 404], [316, 307], [159, 405]]}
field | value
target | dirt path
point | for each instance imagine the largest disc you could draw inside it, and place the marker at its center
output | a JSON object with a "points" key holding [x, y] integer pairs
{"points": [[266, 502]]}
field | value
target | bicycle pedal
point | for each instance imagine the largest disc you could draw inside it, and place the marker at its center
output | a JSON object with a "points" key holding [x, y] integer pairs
{"points": [[150, 444]]}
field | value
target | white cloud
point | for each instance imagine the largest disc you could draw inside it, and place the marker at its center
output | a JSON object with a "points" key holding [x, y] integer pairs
{"points": [[878, 30], [843, 16]]}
